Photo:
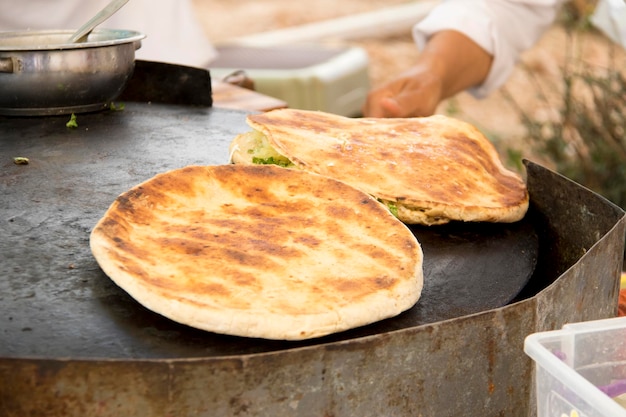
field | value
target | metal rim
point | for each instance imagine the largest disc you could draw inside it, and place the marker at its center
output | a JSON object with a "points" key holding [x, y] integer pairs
{"points": [[53, 111], [112, 37]]}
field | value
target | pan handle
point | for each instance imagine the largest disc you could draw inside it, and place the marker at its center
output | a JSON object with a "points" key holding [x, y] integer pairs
{"points": [[10, 64]]}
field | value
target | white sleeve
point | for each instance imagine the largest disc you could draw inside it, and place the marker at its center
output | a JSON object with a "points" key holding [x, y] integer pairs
{"points": [[504, 28], [610, 18]]}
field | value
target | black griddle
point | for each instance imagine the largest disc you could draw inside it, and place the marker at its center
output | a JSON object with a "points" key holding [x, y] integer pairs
{"points": [[55, 302]]}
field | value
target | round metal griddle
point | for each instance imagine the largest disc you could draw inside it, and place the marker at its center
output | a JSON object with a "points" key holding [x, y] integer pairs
{"points": [[56, 302]]}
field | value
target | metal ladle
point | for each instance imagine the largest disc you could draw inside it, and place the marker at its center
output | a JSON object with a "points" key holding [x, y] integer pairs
{"points": [[81, 34]]}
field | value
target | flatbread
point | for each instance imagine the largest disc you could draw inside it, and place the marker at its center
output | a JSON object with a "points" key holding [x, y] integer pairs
{"points": [[259, 251], [428, 170]]}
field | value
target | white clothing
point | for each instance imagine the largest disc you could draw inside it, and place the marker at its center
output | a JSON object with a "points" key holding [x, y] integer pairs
{"points": [[504, 28], [610, 17], [172, 32]]}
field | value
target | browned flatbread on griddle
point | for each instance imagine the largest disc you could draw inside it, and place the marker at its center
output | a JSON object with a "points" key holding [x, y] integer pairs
{"points": [[431, 170], [259, 251]]}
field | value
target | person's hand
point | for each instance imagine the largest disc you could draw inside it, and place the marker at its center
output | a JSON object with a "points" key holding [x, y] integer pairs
{"points": [[450, 63], [414, 93]]}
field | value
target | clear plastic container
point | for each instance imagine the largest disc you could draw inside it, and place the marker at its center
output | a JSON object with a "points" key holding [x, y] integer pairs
{"points": [[581, 369]]}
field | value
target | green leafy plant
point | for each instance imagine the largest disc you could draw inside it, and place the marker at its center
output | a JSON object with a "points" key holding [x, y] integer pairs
{"points": [[585, 138]]}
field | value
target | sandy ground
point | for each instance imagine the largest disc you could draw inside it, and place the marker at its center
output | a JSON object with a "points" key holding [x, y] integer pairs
{"points": [[538, 74]]}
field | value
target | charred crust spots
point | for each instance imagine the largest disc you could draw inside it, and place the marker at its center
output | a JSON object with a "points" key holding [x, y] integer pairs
{"points": [[241, 257], [308, 241], [348, 286], [108, 223], [126, 199], [312, 121], [339, 212], [216, 289], [361, 288], [384, 282]]}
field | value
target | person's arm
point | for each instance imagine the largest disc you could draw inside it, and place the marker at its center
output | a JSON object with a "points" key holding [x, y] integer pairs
{"points": [[501, 29], [450, 63]]}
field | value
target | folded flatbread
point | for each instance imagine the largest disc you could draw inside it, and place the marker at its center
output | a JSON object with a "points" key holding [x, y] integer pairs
{"points": [[259, 251], [428, 170]]}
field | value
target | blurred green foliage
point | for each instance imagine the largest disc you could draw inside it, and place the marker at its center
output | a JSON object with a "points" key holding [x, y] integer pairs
{"points": [[585, 138]]}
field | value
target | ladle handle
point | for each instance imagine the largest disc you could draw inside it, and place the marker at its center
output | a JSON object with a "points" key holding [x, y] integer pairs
{"points": [[10, 65], [100, 17]]}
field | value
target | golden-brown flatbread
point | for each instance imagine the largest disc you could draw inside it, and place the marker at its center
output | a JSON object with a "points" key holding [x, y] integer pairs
{"points": [[259, 251], [428, 170]]}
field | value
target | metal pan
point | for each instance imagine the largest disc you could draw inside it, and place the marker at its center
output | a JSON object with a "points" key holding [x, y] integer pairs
{"points": [[53, 286], [72, 343], [471, 365], [42, 74]]}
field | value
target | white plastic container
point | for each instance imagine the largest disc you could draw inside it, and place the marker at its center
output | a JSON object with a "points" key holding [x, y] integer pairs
{"points": [[307, 77], [580, 368]]}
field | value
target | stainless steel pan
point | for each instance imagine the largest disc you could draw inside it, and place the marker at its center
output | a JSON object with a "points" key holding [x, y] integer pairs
{"points": [[41, 73]]}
